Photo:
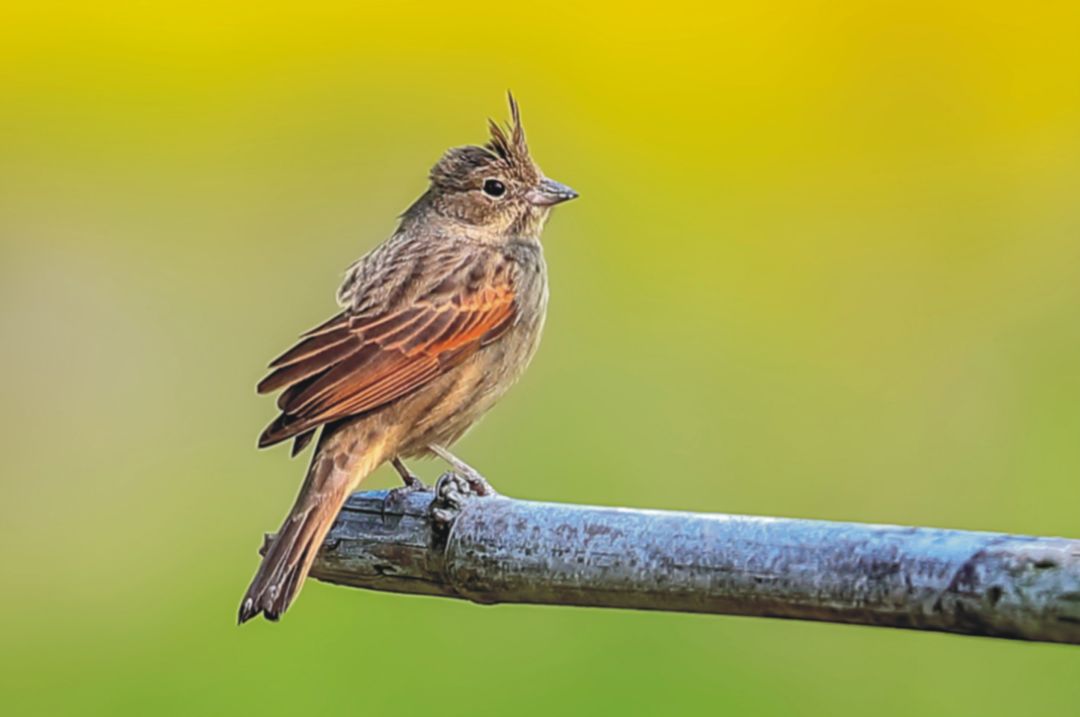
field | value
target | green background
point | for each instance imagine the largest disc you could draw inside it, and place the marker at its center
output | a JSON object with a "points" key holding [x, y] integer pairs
{"points": [[826, 263]]}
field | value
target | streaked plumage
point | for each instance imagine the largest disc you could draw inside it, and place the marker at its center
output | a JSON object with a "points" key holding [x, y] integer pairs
{"points": [[436, 324]]}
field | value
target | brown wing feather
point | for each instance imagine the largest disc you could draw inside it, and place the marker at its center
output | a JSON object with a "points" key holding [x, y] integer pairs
{"points": [[308, 363], [353, 365], [312, 346], [301, 442], [330, 324]]}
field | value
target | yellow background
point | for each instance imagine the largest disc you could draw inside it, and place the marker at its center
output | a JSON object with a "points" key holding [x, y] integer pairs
{"points": [[826, 263]]}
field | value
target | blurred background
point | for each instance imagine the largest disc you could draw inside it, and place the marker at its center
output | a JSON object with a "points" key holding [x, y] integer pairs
{"points": [[826, 263]]}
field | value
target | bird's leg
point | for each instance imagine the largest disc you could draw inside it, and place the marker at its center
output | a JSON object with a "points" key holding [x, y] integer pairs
{"points": [[412, 482], [477, 482]]}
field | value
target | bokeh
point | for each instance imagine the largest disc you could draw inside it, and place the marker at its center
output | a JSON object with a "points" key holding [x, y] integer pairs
{"points": [[826, 263]]}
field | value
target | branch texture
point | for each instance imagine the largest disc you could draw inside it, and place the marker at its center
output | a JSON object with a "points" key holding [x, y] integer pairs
{"points": [[500, 550]]}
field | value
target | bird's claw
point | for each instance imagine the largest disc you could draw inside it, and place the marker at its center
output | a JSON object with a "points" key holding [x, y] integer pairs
{"points": [[478, 485], [398, 496], [453, 489]]}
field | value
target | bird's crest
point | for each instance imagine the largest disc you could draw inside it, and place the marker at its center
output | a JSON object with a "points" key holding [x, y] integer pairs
{"points": [[509, 142], [506, 150]]}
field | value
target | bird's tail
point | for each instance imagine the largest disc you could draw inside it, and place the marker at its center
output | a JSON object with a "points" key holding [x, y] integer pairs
{"points": [[335, 472]]}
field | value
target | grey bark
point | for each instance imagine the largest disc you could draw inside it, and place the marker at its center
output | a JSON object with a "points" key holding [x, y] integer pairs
{"points": [[500, 550]]}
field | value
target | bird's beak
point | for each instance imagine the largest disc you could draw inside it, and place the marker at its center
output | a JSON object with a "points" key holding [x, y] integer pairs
{"points": [[549, 193]]}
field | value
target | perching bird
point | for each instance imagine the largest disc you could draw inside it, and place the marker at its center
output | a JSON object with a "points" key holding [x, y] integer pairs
{"points": [[437, 322]]}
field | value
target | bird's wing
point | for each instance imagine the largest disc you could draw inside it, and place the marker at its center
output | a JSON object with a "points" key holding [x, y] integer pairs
{"points": [[358, 362]]}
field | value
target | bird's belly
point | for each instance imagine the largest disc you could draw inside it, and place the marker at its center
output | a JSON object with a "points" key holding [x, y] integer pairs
{"points": [[450, 405]]}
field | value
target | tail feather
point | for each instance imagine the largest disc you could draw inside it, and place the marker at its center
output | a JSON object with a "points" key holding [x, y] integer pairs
{"points": [[290, 557], [336, 470]]}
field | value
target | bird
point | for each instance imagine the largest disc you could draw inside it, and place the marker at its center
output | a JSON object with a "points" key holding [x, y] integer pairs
{"points": [[435, 324]]}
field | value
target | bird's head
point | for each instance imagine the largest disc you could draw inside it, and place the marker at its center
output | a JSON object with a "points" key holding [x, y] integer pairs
{"points": [[497, 187]]}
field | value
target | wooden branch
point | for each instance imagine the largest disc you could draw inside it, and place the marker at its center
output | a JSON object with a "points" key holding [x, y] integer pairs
{"points": [[496, 549]]}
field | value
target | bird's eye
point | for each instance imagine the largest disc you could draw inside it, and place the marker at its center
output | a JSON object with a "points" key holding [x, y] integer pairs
{"points": [[494, 188]]}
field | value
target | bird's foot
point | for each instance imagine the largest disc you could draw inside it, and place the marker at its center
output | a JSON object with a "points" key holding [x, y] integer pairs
{"points": [[397, 496], [480, 485], [477, 483], [452, 491], [411, 480], [413, 484]]}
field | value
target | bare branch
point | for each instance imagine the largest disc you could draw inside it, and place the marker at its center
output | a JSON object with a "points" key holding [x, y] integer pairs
{"points": [[493, 550]]}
